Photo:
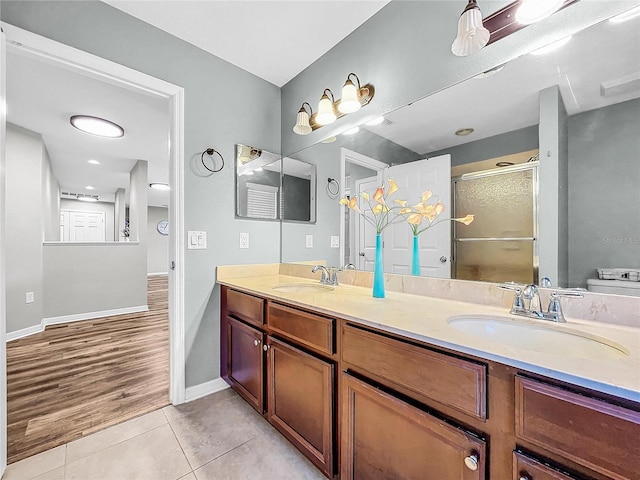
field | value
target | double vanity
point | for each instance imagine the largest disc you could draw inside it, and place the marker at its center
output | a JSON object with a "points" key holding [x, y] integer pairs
{"points": [[430, 387]]}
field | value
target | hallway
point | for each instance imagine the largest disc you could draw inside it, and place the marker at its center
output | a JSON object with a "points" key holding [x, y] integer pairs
{"points": [[78, 378]]}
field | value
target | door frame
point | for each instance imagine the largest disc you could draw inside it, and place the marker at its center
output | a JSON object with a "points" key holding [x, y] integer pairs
{"points": [[356, 158], [44, 49]]}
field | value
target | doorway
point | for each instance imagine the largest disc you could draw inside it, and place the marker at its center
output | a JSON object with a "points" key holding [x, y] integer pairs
{"points": [[33, 46]]}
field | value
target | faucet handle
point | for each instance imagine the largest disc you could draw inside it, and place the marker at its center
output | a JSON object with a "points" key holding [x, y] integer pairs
{"points": [[334, 275], [545, 282], [555, 308]]}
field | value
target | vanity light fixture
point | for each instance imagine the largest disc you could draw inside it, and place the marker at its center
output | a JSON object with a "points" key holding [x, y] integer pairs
{"points": [[532, 11], [552, 47], [628, 15], [302, 126], [351, 131], [97, 126], [354, 97], [472, 35], [89, 187], [163, 187], [93, 162], [330, 139], [464, 132]]}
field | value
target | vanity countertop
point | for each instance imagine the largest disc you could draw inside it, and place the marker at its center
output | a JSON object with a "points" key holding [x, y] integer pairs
{"points": [[425, 319]]}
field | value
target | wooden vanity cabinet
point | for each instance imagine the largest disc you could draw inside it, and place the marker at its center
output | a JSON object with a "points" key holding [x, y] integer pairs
{"points": [[527, 468], [384, 437]]}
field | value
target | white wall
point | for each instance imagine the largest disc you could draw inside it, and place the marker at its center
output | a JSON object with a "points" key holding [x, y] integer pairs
{"points": [[24, 224], [106, 207], [50, 199], [157, 244]]}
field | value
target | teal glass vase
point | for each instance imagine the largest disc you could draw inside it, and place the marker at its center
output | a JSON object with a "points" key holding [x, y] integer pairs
{"points": [[415, 259], [378, 270]]}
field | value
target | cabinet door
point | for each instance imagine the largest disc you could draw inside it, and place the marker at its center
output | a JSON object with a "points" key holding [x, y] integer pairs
{"points": [[245, 362], [300, 402], [384, 438], [525, 468]]}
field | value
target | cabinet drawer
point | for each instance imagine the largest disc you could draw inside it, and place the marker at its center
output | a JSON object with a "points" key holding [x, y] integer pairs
{"points": [[452, 381], [245, 307], [304, 328], [526, 468], [589, 431], [386, 438]]}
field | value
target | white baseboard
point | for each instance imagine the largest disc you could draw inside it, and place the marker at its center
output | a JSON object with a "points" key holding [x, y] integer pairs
{"points": [[204, 389], [25, 332], [157, 273]]}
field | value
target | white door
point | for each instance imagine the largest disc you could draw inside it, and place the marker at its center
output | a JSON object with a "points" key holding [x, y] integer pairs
{"points": [[435, 244], [365, 233], [83, 226], [3, 352]]}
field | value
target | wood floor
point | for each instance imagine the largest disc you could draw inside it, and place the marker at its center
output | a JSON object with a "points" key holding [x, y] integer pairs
{"points": [[77, 378]]}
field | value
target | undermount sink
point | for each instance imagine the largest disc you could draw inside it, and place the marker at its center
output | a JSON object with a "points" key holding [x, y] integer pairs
{"points": [[539, 338], [303, 288]]}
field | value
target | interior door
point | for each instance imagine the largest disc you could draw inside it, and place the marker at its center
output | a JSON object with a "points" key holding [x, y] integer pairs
{"points": [[435, 244], [365, 234], [84, 226]]}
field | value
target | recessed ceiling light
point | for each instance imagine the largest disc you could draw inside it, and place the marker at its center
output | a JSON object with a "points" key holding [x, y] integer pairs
{"points": [[89, 187], [464, 131], [351, 131], [97, 126], [628, 15], [552, 46], [93, 162], [160, 186], [375, 121], [532, 11]]}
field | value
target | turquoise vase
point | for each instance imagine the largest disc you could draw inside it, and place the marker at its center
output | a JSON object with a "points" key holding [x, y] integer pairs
{"points": [[378, 271], [415, 260]]}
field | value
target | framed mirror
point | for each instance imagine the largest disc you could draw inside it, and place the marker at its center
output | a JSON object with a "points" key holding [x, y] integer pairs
{"points": [[572, 115], [257, 183]]}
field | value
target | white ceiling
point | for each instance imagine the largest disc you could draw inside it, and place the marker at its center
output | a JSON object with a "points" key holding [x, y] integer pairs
{"points": [[273, 39]]}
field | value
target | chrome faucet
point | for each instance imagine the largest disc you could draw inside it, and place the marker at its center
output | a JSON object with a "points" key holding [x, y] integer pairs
{"points": [[329, 275], [526, 301]]}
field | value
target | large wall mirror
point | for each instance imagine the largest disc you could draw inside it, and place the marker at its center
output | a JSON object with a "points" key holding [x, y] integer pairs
{"points": [[544, 151]]}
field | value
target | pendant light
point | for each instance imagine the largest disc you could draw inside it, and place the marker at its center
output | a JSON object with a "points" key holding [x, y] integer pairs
{"points": [[472, 36], [302, 126], [350, 100], [325, 114]]}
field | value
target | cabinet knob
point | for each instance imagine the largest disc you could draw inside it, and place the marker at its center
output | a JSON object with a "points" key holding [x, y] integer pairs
{"points": [[266, 347], [256, 342], [471, 462]]}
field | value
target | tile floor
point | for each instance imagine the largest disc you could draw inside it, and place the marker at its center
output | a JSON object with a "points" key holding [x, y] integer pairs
{"points": [[216, 437]]}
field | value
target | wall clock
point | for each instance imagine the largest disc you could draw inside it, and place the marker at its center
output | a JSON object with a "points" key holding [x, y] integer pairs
{"points": [[163, 227]]}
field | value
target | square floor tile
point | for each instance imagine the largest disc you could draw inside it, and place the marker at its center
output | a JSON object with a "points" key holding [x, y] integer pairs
{"points": [[36, 465]]}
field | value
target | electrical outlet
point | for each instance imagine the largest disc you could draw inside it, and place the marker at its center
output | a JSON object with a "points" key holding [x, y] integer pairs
{"points": [[309, 241], [29, 297], [244, 240], [335, 241]]}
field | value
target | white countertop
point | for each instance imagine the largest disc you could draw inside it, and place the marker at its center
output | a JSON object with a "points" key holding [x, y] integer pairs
{"points": [[425, 319]]}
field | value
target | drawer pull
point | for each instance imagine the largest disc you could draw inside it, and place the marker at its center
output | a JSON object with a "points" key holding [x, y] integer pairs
{"points": [[256, 342], [471, 462]]}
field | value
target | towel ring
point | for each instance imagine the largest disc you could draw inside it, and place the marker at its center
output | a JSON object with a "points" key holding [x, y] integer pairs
{"points": [[333, 187], [211, 152]]}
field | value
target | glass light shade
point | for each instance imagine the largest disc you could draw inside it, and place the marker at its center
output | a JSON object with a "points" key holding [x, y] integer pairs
{"points": [[325, 114], [532, 11], [302, 126], [350, 102], [97, 126], [472, 36]]}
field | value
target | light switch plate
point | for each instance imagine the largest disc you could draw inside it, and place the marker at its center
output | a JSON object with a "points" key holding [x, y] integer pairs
{"points": [[335, 241], [196, 240], [309, 241], [29, 297], [244, 240]]}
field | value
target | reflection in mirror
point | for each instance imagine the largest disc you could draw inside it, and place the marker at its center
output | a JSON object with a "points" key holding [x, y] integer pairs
{"points": [[579, 107], [298, 191], [257, 183]]}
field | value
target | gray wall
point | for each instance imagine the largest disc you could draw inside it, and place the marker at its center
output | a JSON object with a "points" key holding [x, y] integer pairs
{"points": [[25, 156], [296, 193], [157, 244], [119, 208], [51, 200], [138, 194], [604, 190], [77, 205], [224, 105]]}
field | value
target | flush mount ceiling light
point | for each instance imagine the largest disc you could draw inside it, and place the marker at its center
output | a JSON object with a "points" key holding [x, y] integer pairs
{"points": [[93, 162], [464, 132], [628, 15], [552, 47], [89, 187], [163, 187], [97, 126], [532, 11], [354, 97], [472, 35]]}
